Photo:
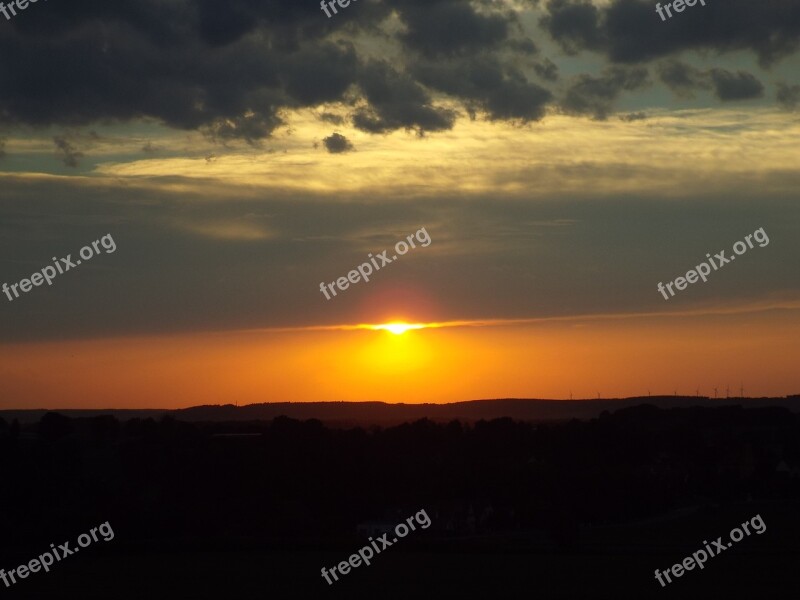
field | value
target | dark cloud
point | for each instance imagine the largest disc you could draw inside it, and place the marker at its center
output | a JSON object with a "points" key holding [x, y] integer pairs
{"points": [[65, 79], [486, 85], [451, 27], [681, 78], [631, 31], [3, 147], [735, 86], [232, 71], [251, 127], [337, 143], [574, 24], [631, 117], [727, 86], [70, 154], [524, 46], [332, 118], [788, 96], [192, 65], [517, 99], [319, 73], [218, 27], [595, 96], [397, 101], [150, 148], [546, 69]]}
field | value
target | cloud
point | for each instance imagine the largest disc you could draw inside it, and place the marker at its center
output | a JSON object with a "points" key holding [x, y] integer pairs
{"points": [[397, 101], [735, 86], [595, 96], [681, 78], [3, 153], [546, 69], [788, 96], [727, 86], [235, 73], [189, 65], [332, 118], [250, 127], [485, 84], [575, 25], [337, 143], [449, 27], [241, 73], [319, 73], [70, 153], [630, 31], [631, 117]]}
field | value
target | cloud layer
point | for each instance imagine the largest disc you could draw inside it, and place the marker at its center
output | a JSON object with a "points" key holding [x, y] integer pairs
{"points": [[235, 71]]}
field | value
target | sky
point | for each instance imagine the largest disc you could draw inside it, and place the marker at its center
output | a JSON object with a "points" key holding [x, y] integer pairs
{"points": [[563, 158]]}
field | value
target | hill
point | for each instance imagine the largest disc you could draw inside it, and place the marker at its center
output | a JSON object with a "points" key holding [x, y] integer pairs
{"points": [[382, 413]]}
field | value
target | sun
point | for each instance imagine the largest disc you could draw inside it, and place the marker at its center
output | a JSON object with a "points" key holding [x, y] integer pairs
{"points": [[398, 327]]}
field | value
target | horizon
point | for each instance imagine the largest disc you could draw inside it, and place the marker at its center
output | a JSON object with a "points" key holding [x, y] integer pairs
{"points": [[595, 399], [469, 411]]}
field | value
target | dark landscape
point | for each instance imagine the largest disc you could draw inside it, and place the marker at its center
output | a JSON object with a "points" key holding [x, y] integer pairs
{"points": [[212, 508], [382, 413]]}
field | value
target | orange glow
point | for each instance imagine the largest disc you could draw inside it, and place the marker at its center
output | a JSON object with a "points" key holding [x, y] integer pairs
{"points": [[436, 363]]}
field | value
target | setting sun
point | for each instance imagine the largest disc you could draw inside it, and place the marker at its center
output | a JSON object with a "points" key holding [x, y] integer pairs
{"points": [[398, 328]]}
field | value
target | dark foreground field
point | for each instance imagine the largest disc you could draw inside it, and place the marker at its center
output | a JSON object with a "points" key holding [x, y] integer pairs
{"points": [[580, 509]]}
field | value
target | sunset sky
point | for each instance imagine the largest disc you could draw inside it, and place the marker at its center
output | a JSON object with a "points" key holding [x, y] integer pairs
{"points": [[564, 157]]}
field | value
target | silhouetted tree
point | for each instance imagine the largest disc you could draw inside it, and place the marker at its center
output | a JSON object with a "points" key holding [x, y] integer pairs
{"points": [[54, 426]]}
